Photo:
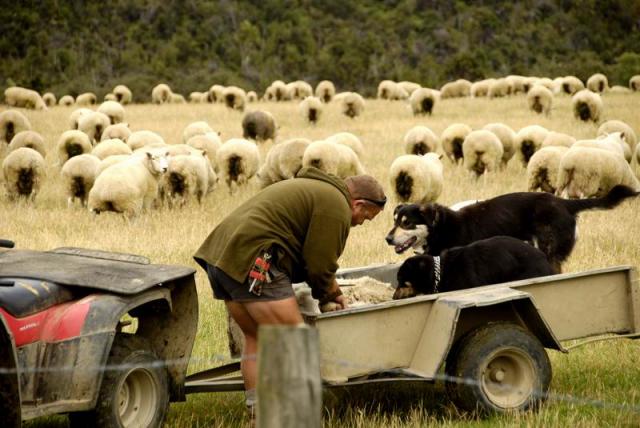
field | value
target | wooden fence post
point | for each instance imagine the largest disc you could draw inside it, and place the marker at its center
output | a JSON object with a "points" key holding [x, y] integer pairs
{"points": [[289, 389]]}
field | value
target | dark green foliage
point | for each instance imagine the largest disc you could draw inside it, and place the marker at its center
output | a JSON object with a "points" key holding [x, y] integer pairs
{"points": [[76, 46]]}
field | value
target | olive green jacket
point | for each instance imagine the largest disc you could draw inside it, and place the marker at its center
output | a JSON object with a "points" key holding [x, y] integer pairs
{"points": [[306, 219]]}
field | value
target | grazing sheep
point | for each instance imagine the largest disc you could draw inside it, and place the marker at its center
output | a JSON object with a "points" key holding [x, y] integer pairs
{"points": [[480, 88], [482, 152], [283, 161], [30, 139], [352, 105], [591, 172], [129, 186], [259, 126], [238, 160], [141, 139], [422, 101], [299, 90], [109, 97], [195, 128], [336, 159], [23, 170], [634, 83], [196, 97], [49, 99], [93, 124], [421, 140], [507, 137], [78, 175], [11, 123], [543, 167], [119, 130], [570, 85], [113, 110], [161, 94], [390, 90], [66, 100], [528, 141], [629, 135], [209, 143], [617, 89], [557, 139], [539, 99], [235, 98], [459, 88], [598, 83], [16, 96], [417, 179], [252, 97], [187, 177], [587, 105], [311, 109], [452, 138], [74, 117], [111, 147], [215, 94], [112, 160], [123, 94], [517, 84], [86, 99], [177, 99], [613, 142], [325, 90], [498, 88], [544, 81], [72, 143], [348, 139], [408, 87], [277, 91]]}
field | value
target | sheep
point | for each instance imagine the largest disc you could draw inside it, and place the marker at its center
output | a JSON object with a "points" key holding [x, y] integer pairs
{"points": [[482, 152], [78, 175], [390, 90], [557, 139], [613, 142], [119, 130], [196, 97], [452, 138], [161, 94], [325, 90], [66, 100], [591, 172], [11, 123], [634, 82], [113, 110], [422, 101], [123, 94], [571, 85], [336, 159], [109, 97], [498, 88], [187, 177], [480, 88], [252, 97], [209, 143], [587, 105], [74, 117], [421, 140], [543, 167], [129, 186], [111, 147], [195, 128], [528, 141], [544, 81], [517, 84], [49, 99], [238, 160], [352, 105], [215, 94], [629, 134], [598, 83], [30, 139], [311, 109], [540, 99], [348, 139], [141, 139], [16, 96], [235, 98], [112, 160], [637, 154], [507, 137], [177, 99], [283, 161], [459, 88], [417, 179], [299, 90], [259, 126], [408, 87], [93, 124], [617, 89], [277, 91], [72, 143], [23, 170], [86, 99]]}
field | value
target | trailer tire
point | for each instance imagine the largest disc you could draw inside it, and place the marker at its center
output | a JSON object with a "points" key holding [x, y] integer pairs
{"points": [[501, 367], [136, 395]]}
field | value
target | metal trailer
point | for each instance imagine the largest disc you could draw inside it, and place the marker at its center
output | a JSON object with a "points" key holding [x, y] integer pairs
{"points": [[489, 342]]}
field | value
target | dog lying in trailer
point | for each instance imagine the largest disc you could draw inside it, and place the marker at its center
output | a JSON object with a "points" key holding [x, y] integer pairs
{"points": [[488, 261], [547, 221]]}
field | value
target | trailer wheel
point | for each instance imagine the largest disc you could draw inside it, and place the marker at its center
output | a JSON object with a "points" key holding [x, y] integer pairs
{"points": [[134, 390], [500, 367]]}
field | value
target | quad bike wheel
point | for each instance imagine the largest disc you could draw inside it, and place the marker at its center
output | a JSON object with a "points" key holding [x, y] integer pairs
{"points": [[134, 390], [499, 367]]}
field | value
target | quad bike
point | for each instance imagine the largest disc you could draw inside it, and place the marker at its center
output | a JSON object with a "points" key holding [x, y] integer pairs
{"points": [[105, 337]]}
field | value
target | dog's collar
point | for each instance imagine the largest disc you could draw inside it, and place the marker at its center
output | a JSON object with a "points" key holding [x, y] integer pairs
{"points": [[436, 272]]}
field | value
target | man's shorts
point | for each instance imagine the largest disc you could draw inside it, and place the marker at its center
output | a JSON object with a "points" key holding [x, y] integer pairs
{"points": [[226, 288]]}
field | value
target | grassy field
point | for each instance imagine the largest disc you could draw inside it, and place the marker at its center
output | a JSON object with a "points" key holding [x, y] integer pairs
{"points": [[592, 386]]}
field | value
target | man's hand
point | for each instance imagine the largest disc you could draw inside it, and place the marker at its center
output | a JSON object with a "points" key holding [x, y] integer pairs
{"points": [[340, 302]]}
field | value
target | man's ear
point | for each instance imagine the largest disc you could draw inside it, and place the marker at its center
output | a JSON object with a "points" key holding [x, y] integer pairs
{"points": [[431, 214]]}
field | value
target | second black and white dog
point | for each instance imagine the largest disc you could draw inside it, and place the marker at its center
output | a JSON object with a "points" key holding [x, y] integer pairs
{"points": [[488, 261]]}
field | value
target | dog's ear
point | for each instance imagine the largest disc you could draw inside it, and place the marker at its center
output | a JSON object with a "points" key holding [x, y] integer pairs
{"points": [[431, 214], [397, 208]]}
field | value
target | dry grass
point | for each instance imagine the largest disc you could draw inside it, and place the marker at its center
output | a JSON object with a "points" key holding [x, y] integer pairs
{"points": [[593, 386]]}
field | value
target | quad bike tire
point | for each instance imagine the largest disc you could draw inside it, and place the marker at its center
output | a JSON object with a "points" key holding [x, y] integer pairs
{"points": [[134, 390], [498, 368]]}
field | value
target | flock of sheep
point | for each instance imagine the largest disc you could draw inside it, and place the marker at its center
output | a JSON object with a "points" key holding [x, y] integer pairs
{"points": [[107, 167]]}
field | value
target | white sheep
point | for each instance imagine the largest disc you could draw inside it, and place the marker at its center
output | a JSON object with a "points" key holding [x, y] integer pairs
{"points": [[482, 152], [598, 83], [409, 87], [459, 88], [78, 175], [66, 100], [49, 99], [421, 140], [23, 170], [283, 161], [480, 88], [209, 143], [119, 130], [238, 160], [277, 91], [235, 98], [617, 89], [112, 160], [416, 179], [332, 158], [634, 82], [348, 139], [570, 85], [12, 122], [123, 94], [507, 137], [528, 141], [629, 135], [139, 139], [259, 126], [543, 167], [113, 110], [177, 99], [215, 94], [197, 97], [452, 138], [540, 99], [252, 97], [352, 104], [161, 94], [129, 186], [498, 88], [30, 139], [16, 96], [187, 177], [300, 90], [390, 90], [109, 97], [86, 99], [111, 147], [93, 124], [517, 84], [195, 128], [311, 109], [72, 143], [325, 90], [422, 101], [74, 117], [613, 142], [587, 105], [557, 139]]}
